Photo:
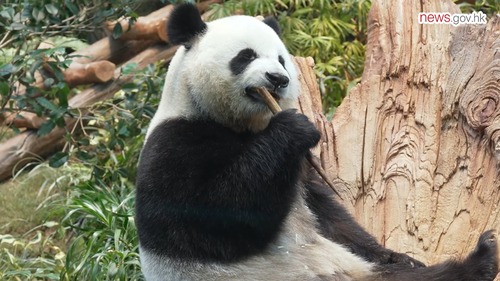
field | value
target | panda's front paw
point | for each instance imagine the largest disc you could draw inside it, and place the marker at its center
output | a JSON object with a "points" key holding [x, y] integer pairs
{"points": [[297, 129], [482, 263]]}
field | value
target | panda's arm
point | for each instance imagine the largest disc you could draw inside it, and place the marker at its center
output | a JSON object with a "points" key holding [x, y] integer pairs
{"points": [[226, 194], [339, 226]]}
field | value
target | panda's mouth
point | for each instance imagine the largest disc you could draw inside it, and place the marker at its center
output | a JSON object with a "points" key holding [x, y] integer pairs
{"points": [[252, 93]]}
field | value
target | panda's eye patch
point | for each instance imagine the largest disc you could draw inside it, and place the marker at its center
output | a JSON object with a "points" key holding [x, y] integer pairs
{"points": [[281, 60], [242, 60], [247, 54]]}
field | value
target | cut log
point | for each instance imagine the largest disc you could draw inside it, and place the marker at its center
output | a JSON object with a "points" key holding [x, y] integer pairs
{"points": [[93, 72], [152, 27], [22, 120], [81, 74]]}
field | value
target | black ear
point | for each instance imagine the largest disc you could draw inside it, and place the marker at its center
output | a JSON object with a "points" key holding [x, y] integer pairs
{"points": [[273, 23], [185, 24]]}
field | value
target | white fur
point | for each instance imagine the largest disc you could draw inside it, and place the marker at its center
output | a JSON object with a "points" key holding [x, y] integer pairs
{"points": [[202, 74]]}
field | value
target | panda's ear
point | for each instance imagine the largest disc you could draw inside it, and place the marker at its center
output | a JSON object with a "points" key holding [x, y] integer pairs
{"points": [[273, 23], [185, 24]]}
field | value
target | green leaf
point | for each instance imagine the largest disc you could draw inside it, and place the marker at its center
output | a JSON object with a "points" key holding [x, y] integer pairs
{"points": [[7, 69], [117, 31], [51, 9], [7, 13], [46, 128], [72, 7], [58, 159], [130, 68], [48, 82], [68, 42], [38, 14], [17, 26], [123, 131], [4, 88], [46, 104]]}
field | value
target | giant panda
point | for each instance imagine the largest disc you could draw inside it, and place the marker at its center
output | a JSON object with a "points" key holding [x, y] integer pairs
{"points": [[223, 189]]}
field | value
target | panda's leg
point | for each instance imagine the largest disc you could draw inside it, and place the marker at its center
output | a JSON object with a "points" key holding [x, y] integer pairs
{"points": [[480, 265], [339, 226]]}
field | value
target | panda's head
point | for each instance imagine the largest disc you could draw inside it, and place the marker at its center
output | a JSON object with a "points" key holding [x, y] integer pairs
{"points": [[219, 64]]}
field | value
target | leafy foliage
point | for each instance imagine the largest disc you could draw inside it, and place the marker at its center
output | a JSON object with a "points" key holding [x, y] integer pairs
{"points": [[489, 7], [101, 209], [98, 206], [25, 25]]}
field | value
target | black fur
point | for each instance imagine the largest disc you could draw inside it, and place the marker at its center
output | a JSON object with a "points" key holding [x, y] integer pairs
{"points": [[282, 61], [480, 265], [185, 24], [207, 193], [239, 63], [273, 23]]}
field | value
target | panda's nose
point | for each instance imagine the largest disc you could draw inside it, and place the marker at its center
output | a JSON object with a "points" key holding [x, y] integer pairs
{"points": [[278, 80]]}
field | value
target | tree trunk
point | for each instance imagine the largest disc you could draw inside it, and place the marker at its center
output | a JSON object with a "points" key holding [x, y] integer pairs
{"points": [[415, 147]]}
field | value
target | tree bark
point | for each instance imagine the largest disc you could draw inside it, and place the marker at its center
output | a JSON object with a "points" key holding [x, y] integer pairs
{"points": [[415, 147]]}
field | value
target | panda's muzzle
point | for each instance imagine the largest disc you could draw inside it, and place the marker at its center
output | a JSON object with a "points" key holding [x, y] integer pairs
{"points": [[252, 93], [276, 82]]}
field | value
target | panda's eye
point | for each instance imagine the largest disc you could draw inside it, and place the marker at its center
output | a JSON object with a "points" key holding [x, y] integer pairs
{"points": [[240, 62], [247, 54], [281, 60]]}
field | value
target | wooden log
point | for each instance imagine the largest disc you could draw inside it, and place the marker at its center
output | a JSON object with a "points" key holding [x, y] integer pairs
{"points": [[416, 144], [81, 74], [153, 27], [94, 72], [22, 119]]}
